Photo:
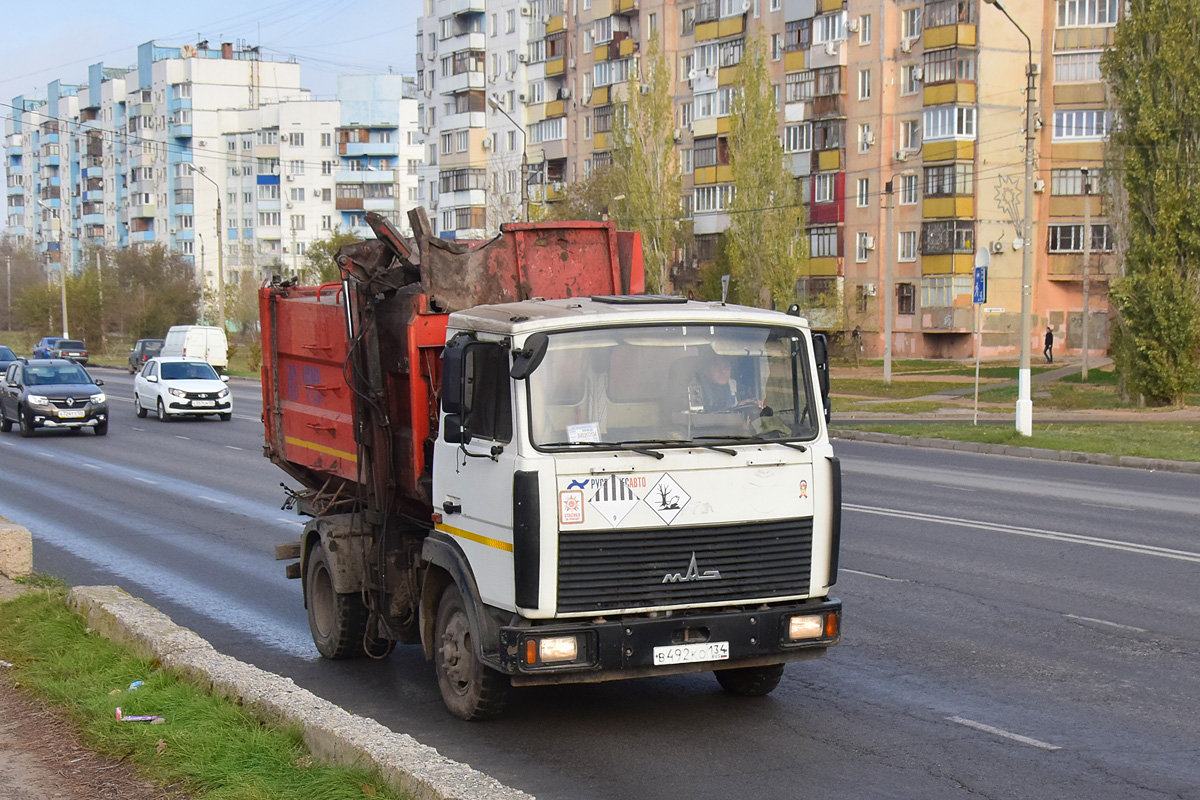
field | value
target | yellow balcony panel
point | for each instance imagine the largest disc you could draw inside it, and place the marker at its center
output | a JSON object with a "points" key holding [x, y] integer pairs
{"points": [[1083, 38], [794, 60], [957, 264], [947, 93], [948, 151], [728, 76], [731, 26], [829, 159], [535, 113], [1080, 151], [724, 173], [556, 108], [723, 124], [627, 47], [949, 35], [945, 207], [556, 66], [1073, 206], [704, 127], [823, 267], [704, 175], [557, 24], [1073, 93], [623, 6], [706, 30], [831, 5], [599, 96], [600, 53], [555, 193], [600, 141]]}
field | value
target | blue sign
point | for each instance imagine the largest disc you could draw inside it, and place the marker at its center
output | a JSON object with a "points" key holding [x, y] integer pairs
{"points": [[980, 295]]}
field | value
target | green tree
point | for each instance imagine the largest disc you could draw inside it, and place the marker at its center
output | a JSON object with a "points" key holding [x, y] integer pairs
{"points": [[320, 258], [21, 271], [646, 166], [1154, 152], [588, 199], [154, 288], [766, 245]]}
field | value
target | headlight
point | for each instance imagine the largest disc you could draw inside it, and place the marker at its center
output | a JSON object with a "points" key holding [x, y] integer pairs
{"points": [[810, 626], [177, 392], [551, 650], [223, 393], [37, 400], [98, 398]]}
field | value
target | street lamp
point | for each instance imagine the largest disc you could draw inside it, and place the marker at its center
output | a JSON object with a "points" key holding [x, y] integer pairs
{"points": [[203, 278], [494, 102], [220, 248], [62, 268], [1024, 409]]}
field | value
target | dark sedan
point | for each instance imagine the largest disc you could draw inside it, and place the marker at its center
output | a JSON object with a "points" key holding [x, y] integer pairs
{"points": [[52, 393]]}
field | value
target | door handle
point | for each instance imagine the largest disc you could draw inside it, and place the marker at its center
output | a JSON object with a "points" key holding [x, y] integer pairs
{"points": [[452, 508]]}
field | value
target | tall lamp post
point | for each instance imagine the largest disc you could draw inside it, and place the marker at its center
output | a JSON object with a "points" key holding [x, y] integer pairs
{"points": [[494, 102], [203, 278], [62, 266], [220, 248], [1024, 409]]}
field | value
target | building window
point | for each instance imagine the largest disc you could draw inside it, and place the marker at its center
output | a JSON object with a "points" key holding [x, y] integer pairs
{"points": [[942, 290], [948, 12], [944, 237], [823, 242], [829, 28], [910, 23], [864, 29], [797, 35], [910, 79], [687, 21], [951, 122], [1086, 13], [1093, 125], [295, 139], [1077, 67], [864, 243], [296, 167], [909, 190], [863, 192], [910, 134], [864, 84], [297, 222], [797, 138], [948, 180], [951, 64], [447, 143], [866, 137], [824, 187], [776, 46], [906, 298], [713, 198], [799, 86], [1069, 238], [828, 134], [462, 141], [1069, 182], [908, 246]]}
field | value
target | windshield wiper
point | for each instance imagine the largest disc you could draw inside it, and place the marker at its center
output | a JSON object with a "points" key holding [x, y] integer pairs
{"points": [[630, 446], [756, 440], [680, 443]]}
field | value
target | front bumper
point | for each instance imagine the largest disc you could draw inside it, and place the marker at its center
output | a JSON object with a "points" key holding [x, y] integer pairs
{"points": [[178, 406], [618, 649], [52, 417]]}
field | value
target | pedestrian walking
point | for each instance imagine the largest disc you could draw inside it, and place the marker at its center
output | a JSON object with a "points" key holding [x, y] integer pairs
{"points": [[1048, 350]]}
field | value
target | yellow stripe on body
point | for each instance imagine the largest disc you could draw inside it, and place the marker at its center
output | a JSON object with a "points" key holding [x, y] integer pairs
{"points": [[475, 537], [320, 448]]}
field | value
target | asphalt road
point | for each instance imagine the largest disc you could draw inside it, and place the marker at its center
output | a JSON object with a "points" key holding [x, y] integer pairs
{"points": [[1013, 628]]}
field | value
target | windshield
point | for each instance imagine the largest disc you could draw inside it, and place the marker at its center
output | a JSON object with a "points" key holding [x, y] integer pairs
{"points": [[69, 344], [198, 371], [55, 376], [7, 355], [663, 385], [152, 348]]}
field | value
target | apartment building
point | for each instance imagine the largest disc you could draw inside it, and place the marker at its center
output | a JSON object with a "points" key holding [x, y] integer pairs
{"points": [[217, 153]]}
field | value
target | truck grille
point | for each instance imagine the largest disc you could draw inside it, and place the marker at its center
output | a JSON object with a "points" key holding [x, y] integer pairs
{"points": [[599, 570]]}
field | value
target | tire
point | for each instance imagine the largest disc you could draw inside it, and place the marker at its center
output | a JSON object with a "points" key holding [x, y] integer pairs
{"points": [[226, 417], [470, 690], [26, 423], [162, 412], [101, 428], [337, 621], [750, 681], [137, 405], [5, 423]]}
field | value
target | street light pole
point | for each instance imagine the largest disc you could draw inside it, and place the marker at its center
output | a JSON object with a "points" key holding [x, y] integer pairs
{"points": [[203, 278], [888, 280], [220, 248], [495, 103], [1024, 409], [1087, 257], [62, 269]]}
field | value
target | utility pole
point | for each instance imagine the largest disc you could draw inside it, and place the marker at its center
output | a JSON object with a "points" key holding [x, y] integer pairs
{"points": [[100, 289], [203, 279], [220, 249], [1087, 257], [8, 290], [888, 282]]}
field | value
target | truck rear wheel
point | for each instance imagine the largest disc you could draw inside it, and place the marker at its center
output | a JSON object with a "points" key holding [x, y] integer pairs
{"points": [[469, 689], [337, 621], [750, 681]]}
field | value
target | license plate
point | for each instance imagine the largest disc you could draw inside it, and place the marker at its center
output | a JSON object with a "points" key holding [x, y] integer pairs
{"points": [[70, 413], [691, 653], [204, 403]]}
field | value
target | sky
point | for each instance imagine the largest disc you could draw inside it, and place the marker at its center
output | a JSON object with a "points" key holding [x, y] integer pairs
{"points": [[328, 37]]}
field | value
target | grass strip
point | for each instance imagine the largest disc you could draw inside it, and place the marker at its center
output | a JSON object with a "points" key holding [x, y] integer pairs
{"points": [[211, 748], [898, 390], [1175, 441]]}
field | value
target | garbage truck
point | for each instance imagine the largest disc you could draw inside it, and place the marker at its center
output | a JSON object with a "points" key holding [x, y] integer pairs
{"points": [[512, 457]]}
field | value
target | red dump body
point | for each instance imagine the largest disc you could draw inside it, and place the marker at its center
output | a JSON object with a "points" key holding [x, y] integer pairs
{"points": [[338, 441]]}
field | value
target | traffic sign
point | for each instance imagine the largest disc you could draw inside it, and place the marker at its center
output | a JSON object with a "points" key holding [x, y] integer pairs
{"points": [[980, 294]]}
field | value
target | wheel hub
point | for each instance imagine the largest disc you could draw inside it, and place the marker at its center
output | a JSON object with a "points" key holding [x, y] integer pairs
{"points": [[456, 651]]}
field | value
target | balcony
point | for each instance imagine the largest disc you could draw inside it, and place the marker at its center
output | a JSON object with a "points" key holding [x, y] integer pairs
{"points": [[467, 6], [178, 130], [947, 319], [389, 149], [146, 210], [462, 82], [365, 176], [141, 237], [93, 219], [555, 66], [93, 195], [348, 204], [379, 204]]}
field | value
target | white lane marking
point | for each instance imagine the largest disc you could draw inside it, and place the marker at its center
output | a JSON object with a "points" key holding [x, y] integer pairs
{"points": [[8, 444], [93, 466], [1105, 622], [132, 428], [1037, 533], [1016, 737], [874, 575], [210, 499], [185, 438], [145, 480], [954, 488], [232, 447], [1106, 505], [288, 521]]}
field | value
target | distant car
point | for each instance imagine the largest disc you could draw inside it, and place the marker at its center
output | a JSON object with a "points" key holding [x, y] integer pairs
{"points": [[42, 348], [7, 356], [51, 393], [142, 351], [176, 386], [73, 349]]}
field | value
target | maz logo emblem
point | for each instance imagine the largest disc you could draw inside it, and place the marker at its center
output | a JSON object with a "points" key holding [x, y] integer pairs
{"points": [[692, 574]]}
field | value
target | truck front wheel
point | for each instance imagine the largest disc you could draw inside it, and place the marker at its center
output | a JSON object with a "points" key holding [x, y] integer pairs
{"points": [[469, 689], [750, 681], [337, 621]]}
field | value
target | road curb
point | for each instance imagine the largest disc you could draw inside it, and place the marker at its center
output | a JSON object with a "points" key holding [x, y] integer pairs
{"points": [[332, 734], [16, 550], [1073, 456]]}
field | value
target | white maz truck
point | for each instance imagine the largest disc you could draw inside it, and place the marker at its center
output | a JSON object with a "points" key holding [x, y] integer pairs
{"points": [[517, 462]]}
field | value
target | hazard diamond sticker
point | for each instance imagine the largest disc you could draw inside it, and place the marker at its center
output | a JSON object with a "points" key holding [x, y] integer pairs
{"points": [[667, 498], [614, 496]]}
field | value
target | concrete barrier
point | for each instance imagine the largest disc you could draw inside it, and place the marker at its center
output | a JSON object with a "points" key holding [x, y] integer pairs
{"points": [[16, 550]]}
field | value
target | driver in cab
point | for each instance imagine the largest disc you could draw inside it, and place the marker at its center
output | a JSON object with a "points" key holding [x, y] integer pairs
{"points": [[718, 388]]}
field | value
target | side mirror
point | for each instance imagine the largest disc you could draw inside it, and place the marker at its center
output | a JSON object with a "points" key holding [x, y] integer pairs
{"points": [[224, 379], [821, 355], [452, 430], [527, 360], [152, 378], [453, 377], [98, 382]]}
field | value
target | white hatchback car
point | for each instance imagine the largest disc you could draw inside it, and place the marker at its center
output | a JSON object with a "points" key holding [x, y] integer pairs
{"points": [[177, 386]]}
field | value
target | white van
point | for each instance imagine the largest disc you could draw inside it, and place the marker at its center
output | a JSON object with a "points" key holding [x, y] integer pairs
{"points": [[198, 341]]}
